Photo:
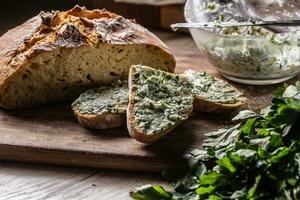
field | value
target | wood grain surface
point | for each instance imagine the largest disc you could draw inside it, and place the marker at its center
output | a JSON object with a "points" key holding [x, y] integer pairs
{"points": [[40, 182], [51, 134]]}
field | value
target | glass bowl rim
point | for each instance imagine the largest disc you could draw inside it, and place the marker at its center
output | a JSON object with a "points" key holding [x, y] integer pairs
{"points": [[241, 37]]}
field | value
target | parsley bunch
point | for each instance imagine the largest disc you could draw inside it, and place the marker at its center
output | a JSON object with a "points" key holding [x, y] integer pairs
{"points": [[258, 158]]}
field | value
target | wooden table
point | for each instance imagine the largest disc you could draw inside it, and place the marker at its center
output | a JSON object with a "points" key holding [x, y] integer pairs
{"points": [[25, 181]]}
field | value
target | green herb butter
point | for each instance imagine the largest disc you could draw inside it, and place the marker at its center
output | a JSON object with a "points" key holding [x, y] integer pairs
{"points": [[212, 89], [256, 52], [162, 99], [106, 99], [212, 7]]}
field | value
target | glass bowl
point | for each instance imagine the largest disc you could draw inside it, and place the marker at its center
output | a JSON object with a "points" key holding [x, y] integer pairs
{"points": [[248, 59]]}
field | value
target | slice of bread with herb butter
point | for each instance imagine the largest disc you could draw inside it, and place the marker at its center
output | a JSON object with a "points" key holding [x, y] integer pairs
{"points": [[158, 102], [103, 107], [213, 94]]}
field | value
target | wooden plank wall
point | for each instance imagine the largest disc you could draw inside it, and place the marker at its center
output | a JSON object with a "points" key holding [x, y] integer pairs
{"points": [[15, 12], [150, 16]]}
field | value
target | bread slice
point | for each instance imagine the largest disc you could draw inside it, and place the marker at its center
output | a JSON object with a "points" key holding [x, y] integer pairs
{"points": [[213, 95], [56, 56], [103, 107], [158, 102]]}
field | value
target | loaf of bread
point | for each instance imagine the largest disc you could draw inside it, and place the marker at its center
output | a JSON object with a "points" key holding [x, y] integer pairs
{"points": [[55, 56]]}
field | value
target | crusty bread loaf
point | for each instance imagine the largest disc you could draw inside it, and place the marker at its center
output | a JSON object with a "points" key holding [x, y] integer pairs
{"points": [[104, 107], [213, 95], [158, 102], [55, 56]]}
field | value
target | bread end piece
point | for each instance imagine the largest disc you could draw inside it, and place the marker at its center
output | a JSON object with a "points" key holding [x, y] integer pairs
{"points": [[213, 95]]}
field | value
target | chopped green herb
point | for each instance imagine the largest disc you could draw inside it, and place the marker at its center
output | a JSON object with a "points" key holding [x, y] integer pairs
{"points": [[212, 6]]}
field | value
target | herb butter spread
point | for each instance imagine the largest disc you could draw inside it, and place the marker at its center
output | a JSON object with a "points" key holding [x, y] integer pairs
{"points": [[212, 89], [106, 99], [255, 52], [161, 100]]}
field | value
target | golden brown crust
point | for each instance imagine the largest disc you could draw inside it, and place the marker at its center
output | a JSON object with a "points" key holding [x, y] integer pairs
{"points": [[203, 105], [101, 122], [12, 41], [76, 27], [132, 126]]}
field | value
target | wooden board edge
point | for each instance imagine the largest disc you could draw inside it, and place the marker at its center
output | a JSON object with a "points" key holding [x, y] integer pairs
{"points": [[81, 159]]}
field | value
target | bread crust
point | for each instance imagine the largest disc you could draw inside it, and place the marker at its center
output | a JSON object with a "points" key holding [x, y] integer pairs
{"points": [[132, 127], [78, 27], [101, 121], [203, 105]]}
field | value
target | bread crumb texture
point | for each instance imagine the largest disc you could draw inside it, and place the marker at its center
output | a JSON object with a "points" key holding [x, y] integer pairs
{"points": [[160, 100], [55, 56]]}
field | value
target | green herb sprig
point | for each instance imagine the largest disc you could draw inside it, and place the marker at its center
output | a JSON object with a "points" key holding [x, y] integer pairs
{"points": [[258, 158]]}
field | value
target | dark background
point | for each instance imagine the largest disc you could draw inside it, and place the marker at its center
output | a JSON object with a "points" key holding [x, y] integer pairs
{"points": [[15, 12]]}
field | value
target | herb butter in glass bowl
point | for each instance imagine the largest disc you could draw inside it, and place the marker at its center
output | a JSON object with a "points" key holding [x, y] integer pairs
{"points": [[250, 55]]}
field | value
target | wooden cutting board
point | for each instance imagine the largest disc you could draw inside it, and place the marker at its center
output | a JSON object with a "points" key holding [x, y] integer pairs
{"points": [[51, 134]]}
